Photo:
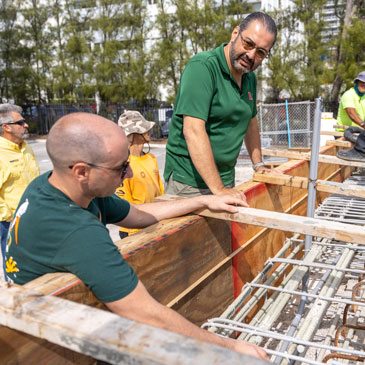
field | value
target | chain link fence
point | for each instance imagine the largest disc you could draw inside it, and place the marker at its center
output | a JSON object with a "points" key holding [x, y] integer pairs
{"points": [[286, 124], [41, 117], [282, 125]]}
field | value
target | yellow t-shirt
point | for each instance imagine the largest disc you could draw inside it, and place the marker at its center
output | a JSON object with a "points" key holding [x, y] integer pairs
{"points": [[144, 186]]}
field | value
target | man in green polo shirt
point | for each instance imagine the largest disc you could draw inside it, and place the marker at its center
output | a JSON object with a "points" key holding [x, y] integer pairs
{"points": [[352, 105], [215, 110]]}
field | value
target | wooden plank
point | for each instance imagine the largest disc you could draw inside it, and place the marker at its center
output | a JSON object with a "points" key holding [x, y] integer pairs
{"points": [[293, 223], [331, 187], [338, 126], [337, 143], [104, 335], [305, 156], [331, 133], [285, 180]]}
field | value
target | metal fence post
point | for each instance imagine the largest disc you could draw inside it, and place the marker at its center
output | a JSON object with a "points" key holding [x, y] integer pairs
{"points": [[308, 124], [313, 174], [260, 106]]}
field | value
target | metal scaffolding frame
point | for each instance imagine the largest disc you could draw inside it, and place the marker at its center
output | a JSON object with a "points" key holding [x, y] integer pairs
{"points": [[307, 309]]}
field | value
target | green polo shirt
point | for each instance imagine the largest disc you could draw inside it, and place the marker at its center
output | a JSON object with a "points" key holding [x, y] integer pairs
{"points": [[209, 92], [350, 99], [50, 233]]}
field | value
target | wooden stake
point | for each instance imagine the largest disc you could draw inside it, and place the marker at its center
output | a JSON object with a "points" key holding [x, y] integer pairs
{"points": [[331, 133], [306, 156], [302, 182], [337, 143]]}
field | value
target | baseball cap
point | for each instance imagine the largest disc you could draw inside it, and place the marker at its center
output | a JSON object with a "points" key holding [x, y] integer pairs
{"points": [[361, 76], [133, 122]]}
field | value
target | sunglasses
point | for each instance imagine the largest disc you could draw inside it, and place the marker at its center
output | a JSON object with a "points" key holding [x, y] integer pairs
{"points": [[122, 169], [247, 44], [19, 122]]}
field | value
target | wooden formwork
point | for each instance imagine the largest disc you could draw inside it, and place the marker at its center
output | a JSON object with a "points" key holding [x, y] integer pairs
{"points": [[185, 263]]}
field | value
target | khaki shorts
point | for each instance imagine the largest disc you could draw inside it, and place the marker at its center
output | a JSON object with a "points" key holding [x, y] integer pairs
{"points": [[178, 188]]}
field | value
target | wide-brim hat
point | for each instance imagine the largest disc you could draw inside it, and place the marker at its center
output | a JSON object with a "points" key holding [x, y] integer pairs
{"points": [[133, 122], [361, 76]]}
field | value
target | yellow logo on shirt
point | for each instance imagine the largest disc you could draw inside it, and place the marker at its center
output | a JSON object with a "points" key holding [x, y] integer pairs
{"points": [[11, 266], [15, 222]]}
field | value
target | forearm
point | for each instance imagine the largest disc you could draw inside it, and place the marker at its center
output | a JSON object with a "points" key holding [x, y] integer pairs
{"points": [[148, 310], [157, 211], [253, 142], [201, 153], [351, 112]]}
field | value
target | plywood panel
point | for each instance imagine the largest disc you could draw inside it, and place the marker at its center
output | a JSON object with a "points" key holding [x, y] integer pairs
{"points": [[171, 264]]}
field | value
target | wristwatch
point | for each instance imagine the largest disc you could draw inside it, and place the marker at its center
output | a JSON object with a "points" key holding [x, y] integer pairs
{"points": [[258, 164]]}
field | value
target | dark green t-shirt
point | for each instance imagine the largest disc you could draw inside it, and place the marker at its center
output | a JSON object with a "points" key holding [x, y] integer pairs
{"points": [[50, 233], [209, 92]]}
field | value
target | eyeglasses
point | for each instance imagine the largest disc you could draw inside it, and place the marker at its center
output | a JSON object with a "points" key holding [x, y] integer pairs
{"points": [[19, 122], [247, 44], [122, 169]]}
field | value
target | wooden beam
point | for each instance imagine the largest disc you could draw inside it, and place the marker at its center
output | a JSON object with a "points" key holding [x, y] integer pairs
{"points": [[331, 133], [104, 335], [338, 126], [331, 187], [285, 180], [293, 223], [288, 222], [337, 143], [306, 156]]}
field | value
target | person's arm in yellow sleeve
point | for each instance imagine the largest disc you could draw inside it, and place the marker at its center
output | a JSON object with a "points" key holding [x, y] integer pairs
{"points": [[6, 213]]}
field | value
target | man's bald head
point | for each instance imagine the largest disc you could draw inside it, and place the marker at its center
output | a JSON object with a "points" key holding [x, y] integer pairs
{"points": [[82, 137]]}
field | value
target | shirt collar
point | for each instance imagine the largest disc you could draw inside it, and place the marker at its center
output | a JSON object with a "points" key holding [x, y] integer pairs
{"points": [[223, 62]]}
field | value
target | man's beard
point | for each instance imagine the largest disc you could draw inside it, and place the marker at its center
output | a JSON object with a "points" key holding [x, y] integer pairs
{"points": [[234, 58], [236, 64]]}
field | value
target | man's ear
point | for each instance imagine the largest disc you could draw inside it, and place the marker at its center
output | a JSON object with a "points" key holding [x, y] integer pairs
{"points": [[235, 32], [81, 171], [6, 128]]}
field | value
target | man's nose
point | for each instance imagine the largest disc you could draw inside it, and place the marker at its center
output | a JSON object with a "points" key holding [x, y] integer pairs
{"points": [[251, 54]]}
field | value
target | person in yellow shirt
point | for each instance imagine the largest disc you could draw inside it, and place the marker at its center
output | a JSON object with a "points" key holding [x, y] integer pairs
{"points": [[18, 166], [351, 111], [146, 184]]}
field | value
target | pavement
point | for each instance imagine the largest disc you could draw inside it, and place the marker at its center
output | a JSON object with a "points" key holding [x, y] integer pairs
{"points": [[243, 169]]}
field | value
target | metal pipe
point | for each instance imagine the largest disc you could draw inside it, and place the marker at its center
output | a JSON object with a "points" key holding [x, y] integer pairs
{"points": [[246, 291], [237, 326], [315, 315], [273, 307], [309, 295], [313, 169], [320, 266], [295, 323]]}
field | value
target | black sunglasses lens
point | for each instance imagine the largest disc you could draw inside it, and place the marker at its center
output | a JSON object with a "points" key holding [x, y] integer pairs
{"points": [[125, 169]]}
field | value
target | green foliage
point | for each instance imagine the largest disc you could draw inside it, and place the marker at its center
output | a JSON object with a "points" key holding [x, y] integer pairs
{"points": [[71, 50]]}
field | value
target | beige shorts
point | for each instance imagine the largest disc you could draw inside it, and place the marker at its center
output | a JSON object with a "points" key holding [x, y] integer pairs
{"points": [[178, 188]]}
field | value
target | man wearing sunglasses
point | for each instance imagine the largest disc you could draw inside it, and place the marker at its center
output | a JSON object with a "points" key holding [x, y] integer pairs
{"points": [[18, 166], [60, 223], [215, 110]]}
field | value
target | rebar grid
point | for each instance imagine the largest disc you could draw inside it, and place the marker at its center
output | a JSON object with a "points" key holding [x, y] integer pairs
{"points": [[304, 331]]}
